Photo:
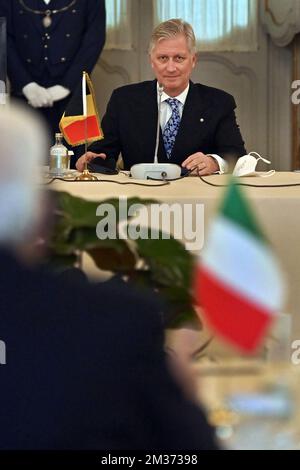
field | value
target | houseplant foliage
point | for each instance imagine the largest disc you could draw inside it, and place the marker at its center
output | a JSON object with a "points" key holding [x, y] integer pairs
{"points": [[163, 265]]}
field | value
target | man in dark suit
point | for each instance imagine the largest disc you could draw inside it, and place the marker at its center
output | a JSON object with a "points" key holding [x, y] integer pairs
{"points": [[84, 367], [198, 123], [50, 44]]}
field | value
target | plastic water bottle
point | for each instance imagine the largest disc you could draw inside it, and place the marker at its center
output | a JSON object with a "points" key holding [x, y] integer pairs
{"points": [[59, 158]]}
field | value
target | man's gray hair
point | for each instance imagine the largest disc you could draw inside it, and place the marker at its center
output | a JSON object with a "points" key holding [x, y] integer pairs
{"points": [[170, 29], [23, 146]]}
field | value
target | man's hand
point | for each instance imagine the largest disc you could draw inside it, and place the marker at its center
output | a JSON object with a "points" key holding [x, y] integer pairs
{"points": [[58, 92], [88, 157], [201, 164], [37, 96]]}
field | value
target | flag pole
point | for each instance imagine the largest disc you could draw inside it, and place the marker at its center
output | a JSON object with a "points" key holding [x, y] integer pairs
{"points": [[85, 175]]}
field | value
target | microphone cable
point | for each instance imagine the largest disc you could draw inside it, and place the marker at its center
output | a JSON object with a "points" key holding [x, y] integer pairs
{"points": [[249, 184], [165, 182]]}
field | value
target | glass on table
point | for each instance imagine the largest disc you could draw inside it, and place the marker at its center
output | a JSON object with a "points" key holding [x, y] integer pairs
{"points": [[253, 404]]}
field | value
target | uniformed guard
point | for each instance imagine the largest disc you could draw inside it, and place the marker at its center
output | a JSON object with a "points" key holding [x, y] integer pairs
{"points": [[50, 44]]}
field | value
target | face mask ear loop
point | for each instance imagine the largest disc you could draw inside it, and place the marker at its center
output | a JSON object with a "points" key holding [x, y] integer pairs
{"points": [[259, 157], [268, 173]]}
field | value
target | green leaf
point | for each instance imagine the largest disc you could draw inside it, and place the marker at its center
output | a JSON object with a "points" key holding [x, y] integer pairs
{"points": [[114, 256], [163, 265], [168, 260], [77, 212]]}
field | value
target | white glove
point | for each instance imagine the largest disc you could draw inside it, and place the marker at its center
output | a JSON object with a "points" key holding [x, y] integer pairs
{"points": [[37, 95], [58, 92]]}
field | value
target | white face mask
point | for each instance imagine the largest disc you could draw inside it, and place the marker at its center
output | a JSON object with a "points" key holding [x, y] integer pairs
{"points": [[246, 165]]}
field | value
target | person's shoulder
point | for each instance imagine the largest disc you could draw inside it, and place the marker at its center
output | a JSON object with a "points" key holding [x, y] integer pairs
{"points": [[107, 305], [119, 297], [134, 89], [117, 306], [214, 94], [114, 303], [71, 290], [135, 304]]}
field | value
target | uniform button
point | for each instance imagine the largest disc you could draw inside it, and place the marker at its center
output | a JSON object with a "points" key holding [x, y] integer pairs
{"points": [[63, 59], [46, 46], [68, 35], [21, 12], [25, 36], [28, 60], [46, 58], [74, 11]]}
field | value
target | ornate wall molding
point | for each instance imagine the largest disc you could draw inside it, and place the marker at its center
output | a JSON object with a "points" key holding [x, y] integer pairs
{"points": [[281, 19], [279, 108], [114, 70], [248, 118], [295, 107], [229, 64], [269, 11]]}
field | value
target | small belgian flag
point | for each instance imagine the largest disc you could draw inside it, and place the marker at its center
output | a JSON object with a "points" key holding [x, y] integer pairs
{"points": [[80, 122]]}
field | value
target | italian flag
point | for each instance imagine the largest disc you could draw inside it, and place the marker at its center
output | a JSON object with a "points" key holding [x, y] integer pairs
{"points": [[238, 282]]}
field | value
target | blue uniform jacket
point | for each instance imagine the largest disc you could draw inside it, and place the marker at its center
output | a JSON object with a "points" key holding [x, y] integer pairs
{"points": [[57, 54]]}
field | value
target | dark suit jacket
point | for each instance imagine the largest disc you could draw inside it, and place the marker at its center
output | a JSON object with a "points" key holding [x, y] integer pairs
{"points": [[129, 125], [58, 54], [85, 369]]}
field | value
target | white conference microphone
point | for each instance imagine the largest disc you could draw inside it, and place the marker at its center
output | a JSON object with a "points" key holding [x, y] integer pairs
{"points": [[155, 170]]}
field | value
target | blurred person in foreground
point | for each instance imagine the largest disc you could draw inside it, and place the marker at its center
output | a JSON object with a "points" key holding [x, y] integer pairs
{"points": [[83, 369], [198, 128]]}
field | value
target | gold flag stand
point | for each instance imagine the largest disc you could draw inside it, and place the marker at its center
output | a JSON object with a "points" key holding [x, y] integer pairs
{"points": [[85, 175]]}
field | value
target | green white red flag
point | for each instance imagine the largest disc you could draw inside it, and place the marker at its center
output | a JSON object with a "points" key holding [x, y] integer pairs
{"points": [[239, 283]]}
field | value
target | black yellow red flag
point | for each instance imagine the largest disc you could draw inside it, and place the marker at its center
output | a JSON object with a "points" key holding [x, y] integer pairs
{"points": [[80, 122]]}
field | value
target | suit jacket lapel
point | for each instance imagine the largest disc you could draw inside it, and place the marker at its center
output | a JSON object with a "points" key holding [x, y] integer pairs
{"points": [[191, 123], [162, 156], [147, 122]]}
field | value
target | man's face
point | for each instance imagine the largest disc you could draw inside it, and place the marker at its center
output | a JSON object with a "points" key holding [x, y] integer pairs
{"points": [[172, 63]]}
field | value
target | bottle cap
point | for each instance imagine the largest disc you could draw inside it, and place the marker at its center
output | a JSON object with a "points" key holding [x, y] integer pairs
{"points": [[58, 134]]}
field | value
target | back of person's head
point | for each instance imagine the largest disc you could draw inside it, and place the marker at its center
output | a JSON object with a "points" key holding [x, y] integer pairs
{"points": [[170, 29], [23, 145]]}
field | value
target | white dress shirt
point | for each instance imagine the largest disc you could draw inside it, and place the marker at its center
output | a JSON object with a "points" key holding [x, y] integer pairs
{"points": [[166, 112]]}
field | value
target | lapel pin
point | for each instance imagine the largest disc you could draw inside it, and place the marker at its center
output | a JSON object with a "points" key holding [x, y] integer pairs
{"points": [[201, 120]]}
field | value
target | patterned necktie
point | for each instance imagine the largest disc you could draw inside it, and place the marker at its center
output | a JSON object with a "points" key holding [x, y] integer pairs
{"points": [[172, 126]]}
